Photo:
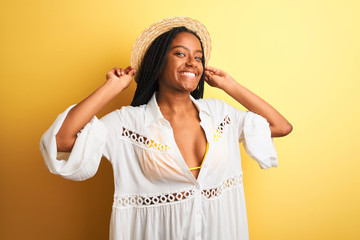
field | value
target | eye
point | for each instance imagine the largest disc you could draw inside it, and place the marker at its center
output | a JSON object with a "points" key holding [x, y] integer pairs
{"points": [[180, 54], [199, 58]]}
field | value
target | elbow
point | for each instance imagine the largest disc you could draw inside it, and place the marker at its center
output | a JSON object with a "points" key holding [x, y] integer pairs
{"points": [[282, 131], [63, 144], [287, 129]]}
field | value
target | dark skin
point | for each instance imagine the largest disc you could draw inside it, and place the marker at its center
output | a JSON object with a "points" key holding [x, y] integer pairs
{"points": [[175, 103], [179, 77], [189, 136]]}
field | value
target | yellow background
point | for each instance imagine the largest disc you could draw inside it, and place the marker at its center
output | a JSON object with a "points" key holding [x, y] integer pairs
{"points": [[301, 56]]}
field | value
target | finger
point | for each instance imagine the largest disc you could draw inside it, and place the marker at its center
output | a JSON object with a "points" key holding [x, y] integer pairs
{"points": [[115, 71], [209, 68], [207, 74], [118, 71], [132, 72], [213, 70], [128, 69], [210, 72]]}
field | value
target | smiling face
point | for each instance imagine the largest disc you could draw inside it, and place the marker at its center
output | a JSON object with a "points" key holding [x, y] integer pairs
{"points": [[183, 67]]}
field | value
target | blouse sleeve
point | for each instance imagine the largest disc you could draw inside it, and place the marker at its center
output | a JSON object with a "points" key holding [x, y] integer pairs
{"points": [[259, 145], [84, 159]]}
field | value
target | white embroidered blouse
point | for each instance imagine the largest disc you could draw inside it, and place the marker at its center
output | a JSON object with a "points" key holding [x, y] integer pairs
{"points": [[156, 195]]}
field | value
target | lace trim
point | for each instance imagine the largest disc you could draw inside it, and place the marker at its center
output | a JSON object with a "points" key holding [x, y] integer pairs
{"points": [[228, 184], [144, 200], [151, 200], [220, 128], [143, 141], [149, 143]]}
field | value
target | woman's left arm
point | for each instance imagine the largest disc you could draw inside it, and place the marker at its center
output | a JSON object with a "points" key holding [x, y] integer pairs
{"points": [[279, 126]]}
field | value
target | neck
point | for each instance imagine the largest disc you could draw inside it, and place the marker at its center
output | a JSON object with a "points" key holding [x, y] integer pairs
{"points": [[174, 103]]}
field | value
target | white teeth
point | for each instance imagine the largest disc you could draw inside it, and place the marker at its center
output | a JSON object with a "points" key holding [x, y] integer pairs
{"points": [[188, 74]]}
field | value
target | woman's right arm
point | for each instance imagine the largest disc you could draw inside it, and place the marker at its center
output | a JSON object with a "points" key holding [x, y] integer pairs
{"points": [[116, 80]]}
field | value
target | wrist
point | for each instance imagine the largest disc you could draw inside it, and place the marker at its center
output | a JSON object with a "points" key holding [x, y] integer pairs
{"points": [[113, 87], [107, 92], [228, 84]]}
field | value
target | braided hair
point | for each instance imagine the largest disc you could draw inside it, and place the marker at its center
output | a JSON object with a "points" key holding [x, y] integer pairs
{"points": [[152, 64]]}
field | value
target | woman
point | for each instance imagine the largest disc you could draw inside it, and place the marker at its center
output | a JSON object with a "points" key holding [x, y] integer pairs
{"points": [[175, 156]]}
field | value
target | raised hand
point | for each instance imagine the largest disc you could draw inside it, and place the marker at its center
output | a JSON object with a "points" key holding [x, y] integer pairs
{"points": [[121, 78], [116, 80], [279, 126], [216, 77]]}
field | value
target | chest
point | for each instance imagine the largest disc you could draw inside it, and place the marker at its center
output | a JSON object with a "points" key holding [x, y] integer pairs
{"points": [[164, 151], [191, 141]]}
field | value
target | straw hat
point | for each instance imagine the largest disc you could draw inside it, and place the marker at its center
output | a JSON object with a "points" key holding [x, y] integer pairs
{"points": [[152, 32]]}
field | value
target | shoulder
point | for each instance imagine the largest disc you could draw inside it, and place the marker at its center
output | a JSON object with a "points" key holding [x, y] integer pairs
{"points": [[130, 111], [212, 104], [219, 107], [125, 116]]}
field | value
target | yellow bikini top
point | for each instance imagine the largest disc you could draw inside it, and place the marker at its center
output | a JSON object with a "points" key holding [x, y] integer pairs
{"points": [[207, 147]]}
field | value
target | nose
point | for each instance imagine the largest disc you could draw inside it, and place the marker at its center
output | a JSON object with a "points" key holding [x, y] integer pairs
{"points": [[191, 61]]}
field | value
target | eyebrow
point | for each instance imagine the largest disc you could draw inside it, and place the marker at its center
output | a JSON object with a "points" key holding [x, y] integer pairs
{"points": [[181, 46]]}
